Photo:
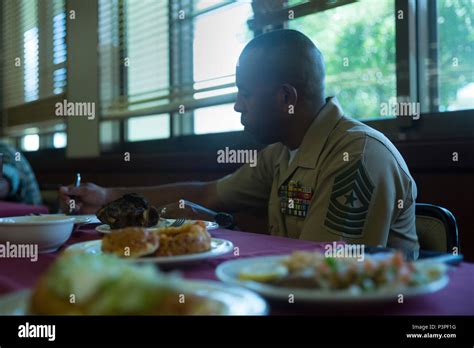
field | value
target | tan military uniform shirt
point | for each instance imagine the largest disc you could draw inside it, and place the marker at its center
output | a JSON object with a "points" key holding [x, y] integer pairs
{"points": [[346, 182]]}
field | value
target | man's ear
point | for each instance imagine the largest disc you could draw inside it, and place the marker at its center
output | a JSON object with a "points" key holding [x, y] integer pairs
{"points": [[288, 96]]}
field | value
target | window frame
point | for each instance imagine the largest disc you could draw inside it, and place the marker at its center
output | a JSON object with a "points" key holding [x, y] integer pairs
{"points": [[180, 73], [431, 125]]}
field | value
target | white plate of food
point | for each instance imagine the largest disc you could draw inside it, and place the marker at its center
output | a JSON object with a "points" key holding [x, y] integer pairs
{"points": [[210, 225], [219, 247], [167, 245], [116, 287], [134, 210], [309, 278]]}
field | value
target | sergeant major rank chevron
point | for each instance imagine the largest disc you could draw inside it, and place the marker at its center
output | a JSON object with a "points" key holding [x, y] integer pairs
{"points": [[349, 202]]}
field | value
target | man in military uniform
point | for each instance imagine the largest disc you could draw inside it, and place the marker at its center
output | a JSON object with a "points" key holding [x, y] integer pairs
{"points": [[324, 176]]}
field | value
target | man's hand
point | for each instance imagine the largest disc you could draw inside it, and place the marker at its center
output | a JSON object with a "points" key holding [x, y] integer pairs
{"points": [[88, 198]]}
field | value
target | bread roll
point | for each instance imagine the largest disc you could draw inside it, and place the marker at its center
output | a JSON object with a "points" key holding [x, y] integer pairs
{"points": [[130, 242], [187, 239]]}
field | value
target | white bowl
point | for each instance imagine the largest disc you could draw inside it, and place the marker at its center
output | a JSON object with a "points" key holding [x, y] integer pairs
{"points": [[49, 232]]}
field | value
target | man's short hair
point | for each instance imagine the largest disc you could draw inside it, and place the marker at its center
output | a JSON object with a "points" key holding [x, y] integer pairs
{"points": [[289, 56]]}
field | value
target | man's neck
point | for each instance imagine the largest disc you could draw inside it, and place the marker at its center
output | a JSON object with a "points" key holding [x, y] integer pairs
{"points": [[298, 128]]}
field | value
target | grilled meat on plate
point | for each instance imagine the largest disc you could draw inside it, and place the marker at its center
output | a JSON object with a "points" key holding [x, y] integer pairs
{"points": [[129, 210]]}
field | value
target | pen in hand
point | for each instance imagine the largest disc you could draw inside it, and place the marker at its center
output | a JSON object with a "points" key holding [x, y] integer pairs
{"points": [[72, 205]]}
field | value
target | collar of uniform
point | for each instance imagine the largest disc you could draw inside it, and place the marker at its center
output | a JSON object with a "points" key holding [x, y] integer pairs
{"points": [[317, 134], [314, 139]]}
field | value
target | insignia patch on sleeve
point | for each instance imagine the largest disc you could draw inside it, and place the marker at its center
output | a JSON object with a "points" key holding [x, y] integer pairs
{"points": [[349, 201]]}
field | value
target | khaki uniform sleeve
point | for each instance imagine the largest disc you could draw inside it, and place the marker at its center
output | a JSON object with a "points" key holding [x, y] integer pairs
{"points": [[356, 200], [249, 187]]}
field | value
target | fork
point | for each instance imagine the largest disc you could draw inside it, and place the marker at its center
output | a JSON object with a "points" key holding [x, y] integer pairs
{"points": [[177, 222]]}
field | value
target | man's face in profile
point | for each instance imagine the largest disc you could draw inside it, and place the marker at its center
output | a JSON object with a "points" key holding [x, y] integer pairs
{"points": [[257, 101]]}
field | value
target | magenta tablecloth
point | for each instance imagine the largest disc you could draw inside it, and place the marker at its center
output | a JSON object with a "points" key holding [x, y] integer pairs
{"points": [[456, 299], [18, 209]]}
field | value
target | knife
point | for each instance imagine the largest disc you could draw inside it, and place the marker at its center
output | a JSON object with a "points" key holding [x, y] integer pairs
{"points": [[224, 220]]}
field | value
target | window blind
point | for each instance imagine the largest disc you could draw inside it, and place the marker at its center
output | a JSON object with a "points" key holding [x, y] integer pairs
{"points": [[34, 50], [133, 55], [21, 52], [153, 59]]}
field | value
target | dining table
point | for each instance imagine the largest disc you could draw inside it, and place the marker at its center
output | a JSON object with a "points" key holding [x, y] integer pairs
{"points": [[8, 209], [457, 298]]}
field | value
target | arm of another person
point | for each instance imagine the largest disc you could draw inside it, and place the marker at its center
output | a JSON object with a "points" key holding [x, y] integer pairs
{"points": [[11, 186], [23, 186], [4, 188]]}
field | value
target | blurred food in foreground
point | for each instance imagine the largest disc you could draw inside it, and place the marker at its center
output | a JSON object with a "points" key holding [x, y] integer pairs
{"points": [[86, 284]]}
